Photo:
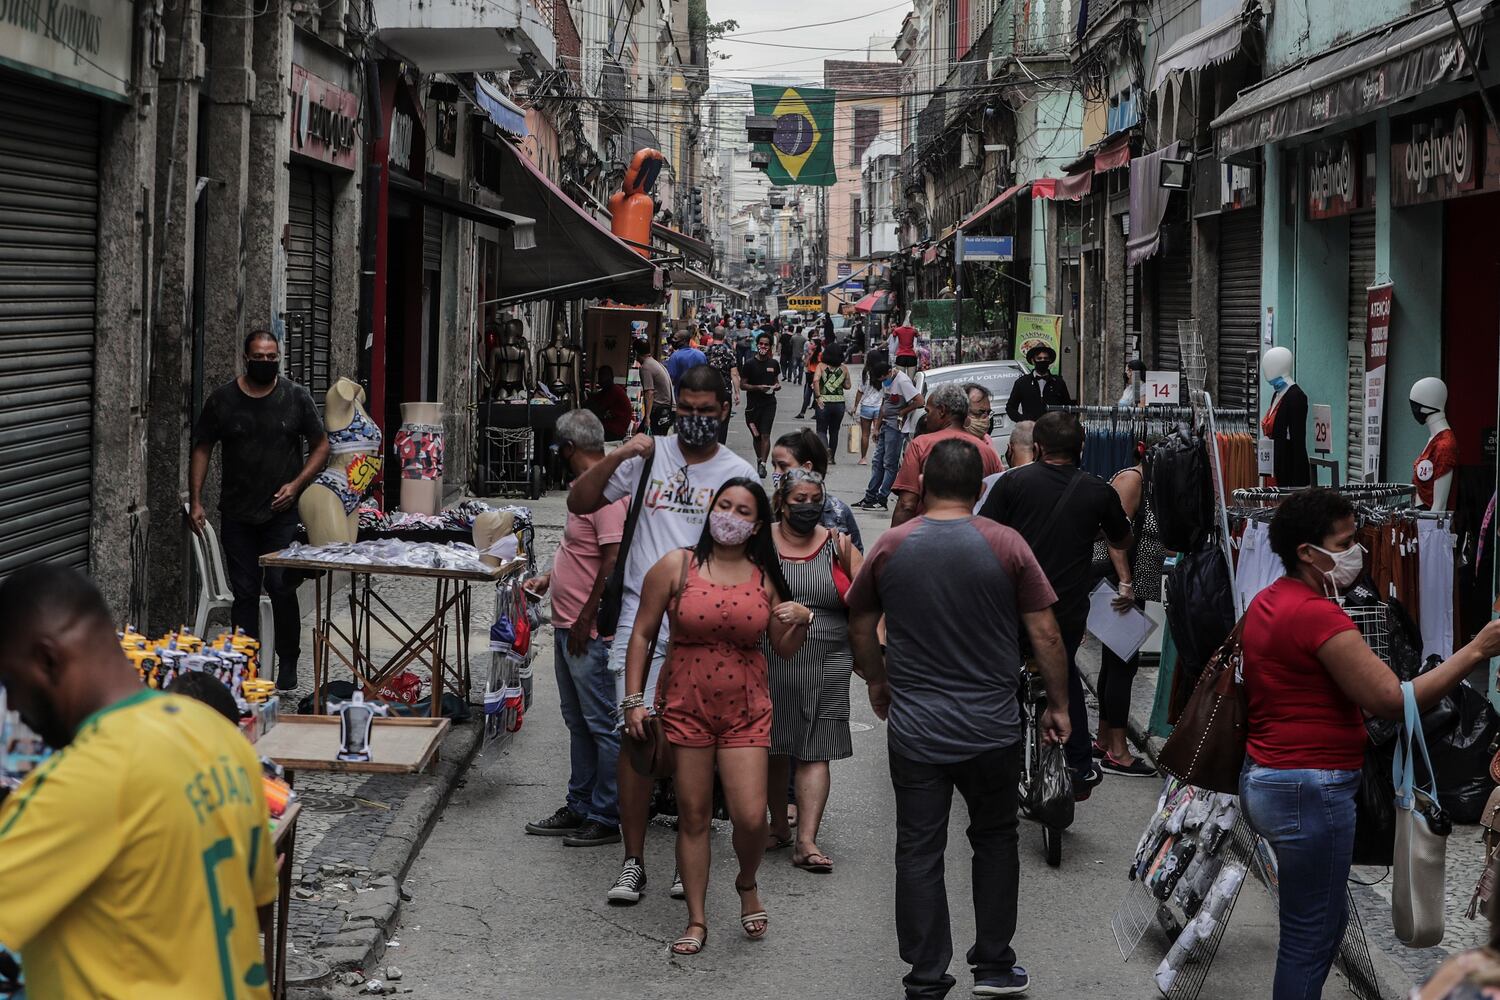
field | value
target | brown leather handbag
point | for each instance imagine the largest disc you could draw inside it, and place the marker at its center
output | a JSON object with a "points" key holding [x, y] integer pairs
{"points": [[652, 755], [1207, 748]]}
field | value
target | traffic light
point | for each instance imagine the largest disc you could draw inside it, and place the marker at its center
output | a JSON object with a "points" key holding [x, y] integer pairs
{"points": [[695, 208], [760, 128]]}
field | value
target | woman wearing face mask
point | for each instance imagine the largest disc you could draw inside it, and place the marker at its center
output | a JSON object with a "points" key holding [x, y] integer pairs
{"points": [[1309, 676], [804, 449], [831, 382], [727, 597], [810, 691]]}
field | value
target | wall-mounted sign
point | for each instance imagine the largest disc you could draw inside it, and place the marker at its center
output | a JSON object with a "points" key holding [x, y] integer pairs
{"points": [[1333, 177], [86, 43], [1378, 301], [401, 128], [805, 303], [989, 248], [844, 268], [447, 127], [325, 119], [1435, 154]]}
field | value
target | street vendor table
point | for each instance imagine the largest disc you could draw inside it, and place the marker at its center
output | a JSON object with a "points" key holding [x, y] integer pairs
{"points": [[427, 643], [284, 842]]}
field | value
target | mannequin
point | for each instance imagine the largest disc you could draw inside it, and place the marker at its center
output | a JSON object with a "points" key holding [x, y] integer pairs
{"points": [[328, 506], [491, 527], [560, 365], [419, 448], [510, 363], [1432, 473], [1285, 423]]}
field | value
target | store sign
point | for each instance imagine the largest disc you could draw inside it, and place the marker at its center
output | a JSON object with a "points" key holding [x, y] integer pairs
{"points": [[325, 119], [805, 303], [989, 248], [83, 42], [1322, 418], [401, 129], [1333, 178], [844, 269], [1378, 302], [1435, 155], [1033, 329], [1162, 388]]}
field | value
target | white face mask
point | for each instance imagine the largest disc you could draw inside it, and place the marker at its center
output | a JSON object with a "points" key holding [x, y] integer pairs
{"points": [[1347, 565]]}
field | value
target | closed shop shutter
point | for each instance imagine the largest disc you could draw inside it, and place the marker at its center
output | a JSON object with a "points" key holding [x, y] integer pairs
{"points": [[1174, 297], [432, 231], [309, 281], [1239, 307], [49, 226], [1361, 277]]}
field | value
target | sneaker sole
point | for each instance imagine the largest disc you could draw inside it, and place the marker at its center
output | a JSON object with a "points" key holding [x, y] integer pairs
{"points": [[1128, 774], [1001, 991], [677, 893], [542, 831], [576, 842], [624, 897]]}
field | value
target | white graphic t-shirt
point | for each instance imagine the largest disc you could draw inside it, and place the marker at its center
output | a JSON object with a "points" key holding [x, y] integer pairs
{"points": [[673, 511]]}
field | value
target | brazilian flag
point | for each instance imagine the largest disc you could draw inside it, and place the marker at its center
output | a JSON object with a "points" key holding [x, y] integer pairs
{"points": [[802, 152]]}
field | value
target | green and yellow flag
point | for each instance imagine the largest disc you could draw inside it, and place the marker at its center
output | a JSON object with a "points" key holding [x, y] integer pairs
{"points": [[802, 152]]}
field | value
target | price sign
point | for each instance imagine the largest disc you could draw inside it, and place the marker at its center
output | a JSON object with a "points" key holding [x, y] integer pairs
{"points": [[1322, 416], [1265, 457], [1163, 388]]}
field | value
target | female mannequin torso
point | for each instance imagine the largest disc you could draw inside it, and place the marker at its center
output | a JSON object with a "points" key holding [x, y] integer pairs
{"points": [[329, 506]]}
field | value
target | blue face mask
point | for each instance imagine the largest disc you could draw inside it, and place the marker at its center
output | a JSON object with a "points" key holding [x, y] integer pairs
{"points": [[1278, 383]]}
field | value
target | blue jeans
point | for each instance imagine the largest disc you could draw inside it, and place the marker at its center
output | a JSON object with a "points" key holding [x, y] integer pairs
{"points": [[1307, 816], [586, 695], [888, 448]]}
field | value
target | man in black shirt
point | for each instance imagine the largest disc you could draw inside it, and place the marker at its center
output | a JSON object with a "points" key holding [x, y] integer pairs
{"points": [[760, 377], [263, 421], [1060, 509], [1033, 393]]}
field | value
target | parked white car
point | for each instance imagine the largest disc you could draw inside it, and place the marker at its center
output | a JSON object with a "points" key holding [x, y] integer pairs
{"points": [[996, 376]]}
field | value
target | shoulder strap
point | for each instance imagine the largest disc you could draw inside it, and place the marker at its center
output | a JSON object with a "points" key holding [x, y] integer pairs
{"points": [[634, 514], [1062, 501], [674, 604]]}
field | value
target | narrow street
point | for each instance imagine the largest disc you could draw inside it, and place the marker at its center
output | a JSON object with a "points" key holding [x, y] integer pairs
{"points": [[498, 913]]}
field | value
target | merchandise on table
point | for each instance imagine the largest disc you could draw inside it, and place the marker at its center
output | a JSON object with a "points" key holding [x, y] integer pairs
{"points": [[232, 659], [458, 556]]}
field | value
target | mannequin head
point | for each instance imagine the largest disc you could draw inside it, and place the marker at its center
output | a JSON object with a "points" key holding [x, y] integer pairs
{"points": [[1276, 367], [1429, 398], [515, 331], [559, 331], [343, 396]]}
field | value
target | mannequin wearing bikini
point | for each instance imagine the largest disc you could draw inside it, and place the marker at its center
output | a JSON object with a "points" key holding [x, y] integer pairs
{"points": [[560, 365], [510, 364], [1432, 473], [329, 507]]}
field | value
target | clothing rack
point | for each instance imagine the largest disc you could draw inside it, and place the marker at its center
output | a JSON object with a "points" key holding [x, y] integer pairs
{"points": [[1152, 413], [1273, 495]]}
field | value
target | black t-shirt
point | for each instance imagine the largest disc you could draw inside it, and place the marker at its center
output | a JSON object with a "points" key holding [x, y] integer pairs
{"points": [[1025, 498], [263, 444], [758, 371]]}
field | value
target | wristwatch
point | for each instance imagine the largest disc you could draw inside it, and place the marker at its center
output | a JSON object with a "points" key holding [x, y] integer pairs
{"points": [[811, 614]]}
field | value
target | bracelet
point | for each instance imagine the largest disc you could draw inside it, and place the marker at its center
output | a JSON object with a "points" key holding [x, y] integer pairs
{"points": [[1127, 586], [633, 701]]}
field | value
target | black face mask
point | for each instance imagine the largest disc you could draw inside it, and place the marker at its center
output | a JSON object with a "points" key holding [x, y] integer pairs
{"points": [[1420, 411], [803, 517], [262, 372], [1043, 368]]}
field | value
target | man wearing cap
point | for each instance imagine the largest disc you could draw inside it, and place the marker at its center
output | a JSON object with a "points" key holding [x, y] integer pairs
{"points": [[1033, 393]]}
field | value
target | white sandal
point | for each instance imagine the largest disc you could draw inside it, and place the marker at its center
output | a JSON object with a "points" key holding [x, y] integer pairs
{"points": [[758, 917], [697, 943]]}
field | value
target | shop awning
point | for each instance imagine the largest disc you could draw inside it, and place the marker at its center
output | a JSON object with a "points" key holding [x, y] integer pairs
{"points": [[575, 256], [1148, 203], [851, 276], [876, 302], [1114, 155], [505, 113], [1210, 45], [1392, 64], [1070, 188], [522, 228], [998, 200], [696, 281], [682, 241]]}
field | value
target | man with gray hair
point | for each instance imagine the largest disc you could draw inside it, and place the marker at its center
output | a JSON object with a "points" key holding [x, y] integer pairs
{"points": [[586, 688], [1019, 451], [947, 414]]}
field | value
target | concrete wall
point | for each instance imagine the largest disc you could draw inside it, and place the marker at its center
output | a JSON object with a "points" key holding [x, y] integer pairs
{"points": [[1303, 28]]}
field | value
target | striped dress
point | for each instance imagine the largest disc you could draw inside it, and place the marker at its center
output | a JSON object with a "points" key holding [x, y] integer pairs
{"points": [[810, 692]]}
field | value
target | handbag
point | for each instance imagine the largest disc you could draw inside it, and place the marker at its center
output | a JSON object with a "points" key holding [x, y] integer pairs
{"points": [[1375, 811], [1422, 829], [1207, 748], [607, 618], [652, 755], [1490, 820]]}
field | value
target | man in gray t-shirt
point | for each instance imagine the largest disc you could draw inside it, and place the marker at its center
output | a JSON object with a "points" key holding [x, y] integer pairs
{"points": [[955, 591]]}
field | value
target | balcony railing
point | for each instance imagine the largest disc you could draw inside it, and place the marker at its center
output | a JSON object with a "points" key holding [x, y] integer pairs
{"points": [[930, 120], [612, 88], [1040, 28]]}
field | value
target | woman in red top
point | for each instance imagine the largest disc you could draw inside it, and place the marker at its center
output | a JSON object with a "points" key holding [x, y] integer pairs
{"points": [[726, 596], [1310, 678]]}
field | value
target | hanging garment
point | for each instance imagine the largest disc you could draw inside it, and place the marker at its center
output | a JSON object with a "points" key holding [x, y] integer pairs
{"points": [[1258, 567], [1435, 555]]}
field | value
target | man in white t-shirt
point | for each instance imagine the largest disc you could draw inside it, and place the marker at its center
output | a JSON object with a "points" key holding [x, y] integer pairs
{"points": [[898, 417], [686, 470]]}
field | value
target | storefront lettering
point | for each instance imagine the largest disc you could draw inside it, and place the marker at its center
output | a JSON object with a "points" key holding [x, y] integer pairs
{"points": [[324, 119], [80, 42], [401, 140], [1436, 151], [73, 27], [1332, 183]]}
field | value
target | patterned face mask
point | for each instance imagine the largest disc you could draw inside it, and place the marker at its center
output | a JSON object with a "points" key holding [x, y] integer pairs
{"points": [[729, 529], [697, 431]]}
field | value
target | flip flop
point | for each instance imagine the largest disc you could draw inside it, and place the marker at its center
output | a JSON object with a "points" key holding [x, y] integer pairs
{"points": [[758, 917], [818, 864], [689, 940], [779, 844]]}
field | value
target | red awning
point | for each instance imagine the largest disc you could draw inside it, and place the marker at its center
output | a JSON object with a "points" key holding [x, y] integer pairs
{"points": [[999, 200], [1071, 188], [874, 302], [1116, 154]]}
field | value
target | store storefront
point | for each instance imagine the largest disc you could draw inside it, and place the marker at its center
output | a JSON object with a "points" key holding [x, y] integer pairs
{"points": [[63, 88]]}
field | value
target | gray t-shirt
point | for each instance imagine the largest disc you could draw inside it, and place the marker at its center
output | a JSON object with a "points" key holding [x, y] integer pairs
{"points": [[654, 377], [953, 593]]}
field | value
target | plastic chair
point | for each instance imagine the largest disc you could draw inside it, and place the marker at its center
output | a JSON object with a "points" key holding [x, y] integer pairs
{"points": [[214, 592]]}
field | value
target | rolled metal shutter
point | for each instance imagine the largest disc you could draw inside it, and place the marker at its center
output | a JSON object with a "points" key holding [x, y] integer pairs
{"points": [[1239, 307], [309, 281], [1174, 297], [49, 216], [1361, 277], [432, 231], [1132, 313]]}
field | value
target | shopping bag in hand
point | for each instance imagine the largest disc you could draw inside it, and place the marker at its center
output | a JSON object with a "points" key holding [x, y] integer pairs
{"points": [[1052, 795]]}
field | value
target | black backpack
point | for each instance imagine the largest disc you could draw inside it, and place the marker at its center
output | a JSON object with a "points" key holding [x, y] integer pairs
{"points": [[1180, 480]]}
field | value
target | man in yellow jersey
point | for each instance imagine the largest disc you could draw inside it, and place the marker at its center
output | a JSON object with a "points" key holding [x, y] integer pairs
{"points": [[136, 862]]}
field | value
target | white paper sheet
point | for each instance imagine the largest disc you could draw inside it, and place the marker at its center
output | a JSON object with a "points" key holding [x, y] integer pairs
{"points": [[1123, 632]]}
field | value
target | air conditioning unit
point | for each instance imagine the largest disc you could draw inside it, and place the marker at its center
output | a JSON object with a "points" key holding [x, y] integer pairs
{"points": [[968, 149]]}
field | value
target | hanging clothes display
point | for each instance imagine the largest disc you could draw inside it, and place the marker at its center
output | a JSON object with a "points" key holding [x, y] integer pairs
{"points": [[1435, 545]]}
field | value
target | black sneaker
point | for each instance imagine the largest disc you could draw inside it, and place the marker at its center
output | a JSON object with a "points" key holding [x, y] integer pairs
{"points": [[286, 676], [563, 823], [592, 834], [1084, 785], [630, 885], [761, 469], [1137, 768], [678, 892], [869, 503], [1012, 984]]}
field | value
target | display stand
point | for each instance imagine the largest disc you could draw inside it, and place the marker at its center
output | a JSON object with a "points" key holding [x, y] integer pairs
{"points": [[508, 685]]}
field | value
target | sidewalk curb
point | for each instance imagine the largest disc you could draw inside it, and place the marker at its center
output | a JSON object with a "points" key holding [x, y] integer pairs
{"points": [[361, 943]]}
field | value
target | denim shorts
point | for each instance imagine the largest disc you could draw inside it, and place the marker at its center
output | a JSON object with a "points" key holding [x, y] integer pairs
{"points": [[869, 412]]}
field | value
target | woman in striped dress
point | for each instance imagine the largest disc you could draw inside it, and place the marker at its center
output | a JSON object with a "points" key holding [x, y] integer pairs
{"points": [[810, 690]]}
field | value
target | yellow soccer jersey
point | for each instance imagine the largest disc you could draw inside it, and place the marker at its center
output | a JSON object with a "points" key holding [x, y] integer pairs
{"points": [[132, 862]]}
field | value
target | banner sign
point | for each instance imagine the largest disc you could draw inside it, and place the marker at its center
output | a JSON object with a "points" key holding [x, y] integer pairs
{"points": [[325, 119], [989, 248], [1435, 155], [1377, 350], [802, 151], [1038, 328], [1333, 179]]}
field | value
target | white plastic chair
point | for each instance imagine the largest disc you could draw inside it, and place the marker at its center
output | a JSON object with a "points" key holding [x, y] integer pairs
{"points": [[214, 592]]}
